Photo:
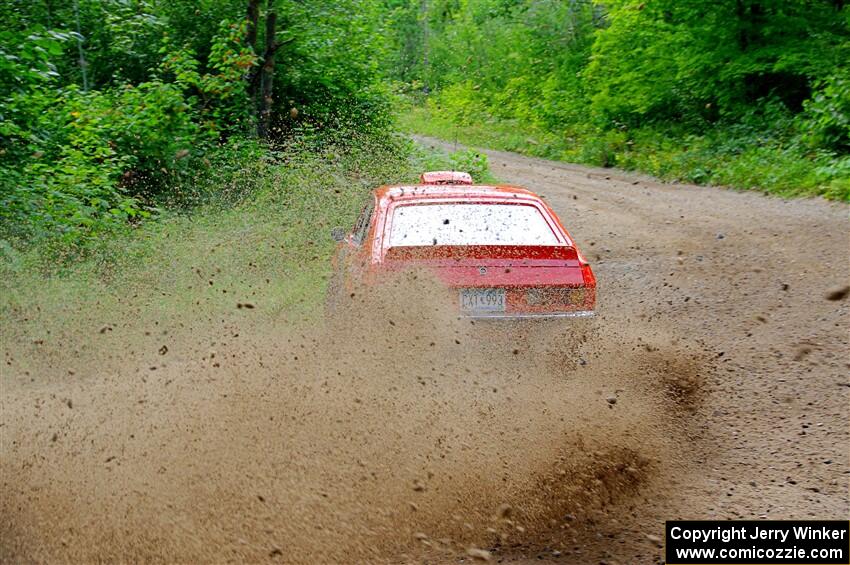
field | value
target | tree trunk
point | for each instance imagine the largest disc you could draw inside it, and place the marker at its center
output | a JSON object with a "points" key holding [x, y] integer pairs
{"points": [[267, 73], [252, 17], [425, 14], [83, 63], [743, 25]]}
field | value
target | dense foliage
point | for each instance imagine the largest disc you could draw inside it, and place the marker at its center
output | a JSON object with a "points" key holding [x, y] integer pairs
{"points": [[112, 110], [743, 92]]}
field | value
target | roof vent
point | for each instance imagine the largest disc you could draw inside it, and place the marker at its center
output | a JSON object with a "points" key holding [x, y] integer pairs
{"points": [[445, 177]]}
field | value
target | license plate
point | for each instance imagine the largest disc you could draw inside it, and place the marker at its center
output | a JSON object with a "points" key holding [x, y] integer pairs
{"points": [[482, 299]]}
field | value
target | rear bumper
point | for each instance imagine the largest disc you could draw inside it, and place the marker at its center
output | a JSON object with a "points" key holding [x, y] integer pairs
{"points": [[527, 315]]}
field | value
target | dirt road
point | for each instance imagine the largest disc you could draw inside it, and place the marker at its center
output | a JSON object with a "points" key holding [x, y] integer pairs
{"points": [[717, 387], [751, 276]]}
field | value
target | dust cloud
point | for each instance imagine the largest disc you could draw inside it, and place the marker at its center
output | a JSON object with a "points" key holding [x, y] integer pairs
{"points": [[392, 431]]}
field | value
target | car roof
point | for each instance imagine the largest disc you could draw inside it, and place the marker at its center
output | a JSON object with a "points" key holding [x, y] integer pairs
{"points": [[426, 191]]}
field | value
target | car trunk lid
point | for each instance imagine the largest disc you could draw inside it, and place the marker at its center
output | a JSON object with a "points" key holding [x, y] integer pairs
{"points": [[493, 265]]}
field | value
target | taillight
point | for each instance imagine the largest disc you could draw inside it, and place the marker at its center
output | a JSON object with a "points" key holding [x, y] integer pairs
{"points": [[588, 276]]}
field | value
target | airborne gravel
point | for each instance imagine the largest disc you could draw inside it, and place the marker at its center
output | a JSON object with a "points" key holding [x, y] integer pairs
{"points": [[714, 385]]}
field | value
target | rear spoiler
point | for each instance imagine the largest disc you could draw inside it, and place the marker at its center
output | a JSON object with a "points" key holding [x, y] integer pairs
{"points": [[445, 177], [406, 253]]}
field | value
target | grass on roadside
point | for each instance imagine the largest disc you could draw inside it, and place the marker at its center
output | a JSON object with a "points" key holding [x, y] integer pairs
{"points": [[745, 161], [271, 250]]}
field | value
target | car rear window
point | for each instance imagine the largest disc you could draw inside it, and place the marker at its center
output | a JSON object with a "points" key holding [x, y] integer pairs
{"points": [[469, 224]]}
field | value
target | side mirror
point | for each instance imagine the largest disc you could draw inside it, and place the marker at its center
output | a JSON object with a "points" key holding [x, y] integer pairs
{"points": [[337, 234]]}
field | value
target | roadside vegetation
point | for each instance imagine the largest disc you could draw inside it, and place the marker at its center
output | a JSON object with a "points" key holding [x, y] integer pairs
{"points": [[267, 254], [743, 93], [134, 134], [117, 113]]}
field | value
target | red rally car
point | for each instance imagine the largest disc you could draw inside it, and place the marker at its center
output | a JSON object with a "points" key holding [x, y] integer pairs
{"points": [[500, 250]]}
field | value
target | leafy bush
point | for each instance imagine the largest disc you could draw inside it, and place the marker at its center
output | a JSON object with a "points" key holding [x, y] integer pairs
{"points": [[153, 106], [99, 154], [747, 93], [219, 93], [603, 148], [828, 113]]}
